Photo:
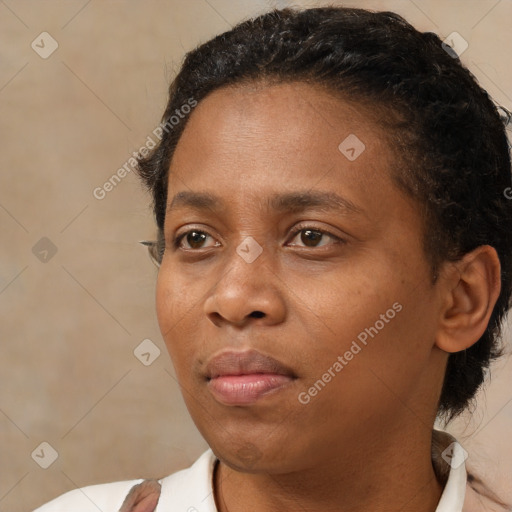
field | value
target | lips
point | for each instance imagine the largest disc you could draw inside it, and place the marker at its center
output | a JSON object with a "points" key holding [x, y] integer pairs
{"points": [[242, 378]]}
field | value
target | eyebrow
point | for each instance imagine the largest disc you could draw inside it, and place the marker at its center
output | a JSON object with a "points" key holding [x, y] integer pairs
{"points": [[291, 202]]}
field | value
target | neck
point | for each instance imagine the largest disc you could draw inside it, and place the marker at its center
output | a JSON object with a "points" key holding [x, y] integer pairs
{"points": [[379, 476]]}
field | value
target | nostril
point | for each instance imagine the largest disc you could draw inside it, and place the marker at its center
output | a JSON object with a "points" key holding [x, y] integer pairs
{"points": [[257, 314]]}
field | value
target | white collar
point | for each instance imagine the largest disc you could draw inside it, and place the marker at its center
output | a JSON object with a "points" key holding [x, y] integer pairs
{"points": [[449, 460]]}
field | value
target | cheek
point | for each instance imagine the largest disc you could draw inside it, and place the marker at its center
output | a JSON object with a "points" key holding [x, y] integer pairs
{"points": [[178, 295], [372, 311], [344, 299], [165, 309], [174, 306]]}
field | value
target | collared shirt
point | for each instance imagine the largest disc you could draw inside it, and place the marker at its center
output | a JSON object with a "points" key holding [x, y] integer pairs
{"points": [[191, 489]]}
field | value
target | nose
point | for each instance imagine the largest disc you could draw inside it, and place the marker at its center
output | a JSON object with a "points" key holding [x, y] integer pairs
{"points": [[245, 293]]}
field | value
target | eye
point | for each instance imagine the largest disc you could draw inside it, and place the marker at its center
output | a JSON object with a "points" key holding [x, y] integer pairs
{"points": [[193, 238], [312, 236]]}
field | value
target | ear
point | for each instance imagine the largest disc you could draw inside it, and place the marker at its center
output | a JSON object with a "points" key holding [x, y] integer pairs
{"points": [[470, 289]]}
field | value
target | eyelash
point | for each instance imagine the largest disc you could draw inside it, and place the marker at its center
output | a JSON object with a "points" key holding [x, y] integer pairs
{"points": [[176, 241]]}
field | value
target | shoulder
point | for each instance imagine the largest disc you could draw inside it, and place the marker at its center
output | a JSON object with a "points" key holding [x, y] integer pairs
{"points": [[105, 497], [191, 489], [183, 487]]}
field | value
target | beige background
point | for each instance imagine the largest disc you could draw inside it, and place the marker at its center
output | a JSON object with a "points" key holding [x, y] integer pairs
{"points": [[70, 324]]}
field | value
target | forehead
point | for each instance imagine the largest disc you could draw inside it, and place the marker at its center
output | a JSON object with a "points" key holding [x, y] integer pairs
{"points": [[294, 111], [280, 136]]}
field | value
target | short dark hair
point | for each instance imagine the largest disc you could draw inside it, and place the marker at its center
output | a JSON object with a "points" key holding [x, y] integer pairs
{"points": [[450, 142]]}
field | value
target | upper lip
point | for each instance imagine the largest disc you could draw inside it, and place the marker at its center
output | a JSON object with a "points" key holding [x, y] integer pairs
{"points": [[244, 363]]}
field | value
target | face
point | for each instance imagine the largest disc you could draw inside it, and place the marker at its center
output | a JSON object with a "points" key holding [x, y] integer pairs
{"points": [[294, 296]]}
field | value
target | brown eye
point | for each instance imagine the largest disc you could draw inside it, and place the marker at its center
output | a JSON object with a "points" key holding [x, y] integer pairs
{"points": [[311, 237], [195, 238], [192, 239], [314, 237]]}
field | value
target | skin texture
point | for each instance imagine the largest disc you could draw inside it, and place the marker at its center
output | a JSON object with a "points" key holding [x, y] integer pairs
{"points": [[363, 442]]}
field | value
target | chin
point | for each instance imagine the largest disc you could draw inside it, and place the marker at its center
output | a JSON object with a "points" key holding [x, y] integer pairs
{"points": [[250, 456], [245, 458]]}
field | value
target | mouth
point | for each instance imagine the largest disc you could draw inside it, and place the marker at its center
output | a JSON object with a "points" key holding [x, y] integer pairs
{"points": [[242, 378]]}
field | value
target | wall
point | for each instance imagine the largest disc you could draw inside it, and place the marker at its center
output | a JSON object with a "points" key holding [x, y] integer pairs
{"points": [[77, 290]]}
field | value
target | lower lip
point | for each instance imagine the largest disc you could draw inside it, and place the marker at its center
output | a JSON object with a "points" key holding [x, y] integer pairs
{"points": [[245, 389]]}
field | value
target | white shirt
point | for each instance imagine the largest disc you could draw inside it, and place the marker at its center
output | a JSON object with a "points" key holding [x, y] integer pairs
{"points": [[191, 490]]}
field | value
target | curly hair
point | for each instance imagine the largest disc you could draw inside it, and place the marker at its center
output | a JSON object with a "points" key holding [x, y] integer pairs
{"points": [[448, 138]]}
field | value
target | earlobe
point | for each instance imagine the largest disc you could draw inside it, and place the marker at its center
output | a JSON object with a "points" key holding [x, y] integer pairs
{"points": [[472, 287]]}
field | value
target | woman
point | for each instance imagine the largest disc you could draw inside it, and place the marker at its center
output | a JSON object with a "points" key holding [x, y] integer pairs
{"points": [[335, 262]]}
